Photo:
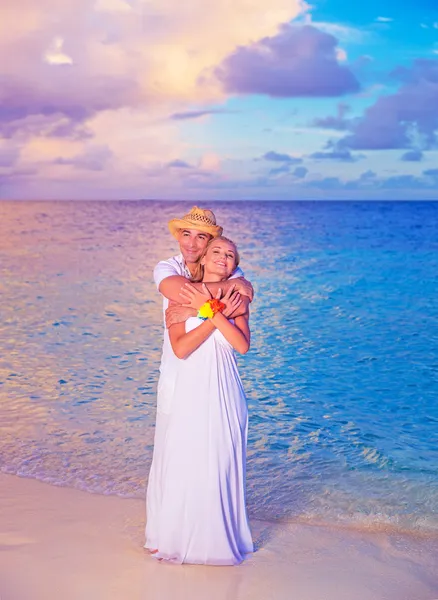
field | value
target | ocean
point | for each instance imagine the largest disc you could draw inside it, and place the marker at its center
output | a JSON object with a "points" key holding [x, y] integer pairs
{"points": [[341, 378]]}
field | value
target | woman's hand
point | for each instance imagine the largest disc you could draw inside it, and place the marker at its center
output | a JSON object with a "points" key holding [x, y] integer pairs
{"points": [[193, 298], [231, 300]]}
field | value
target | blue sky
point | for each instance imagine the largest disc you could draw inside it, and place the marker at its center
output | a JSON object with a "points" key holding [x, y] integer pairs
{"points": [[154, 100]]}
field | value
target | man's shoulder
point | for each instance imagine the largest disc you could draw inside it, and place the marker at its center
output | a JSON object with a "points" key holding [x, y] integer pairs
{"points": [[173, 260], [166, 268], [237, 273]]}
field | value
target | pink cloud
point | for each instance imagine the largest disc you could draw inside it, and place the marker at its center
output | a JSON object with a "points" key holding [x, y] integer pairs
{"points": [[61, 92], [178, 164], [94, 159], [9, 155], [113, 71], [197, 114]]}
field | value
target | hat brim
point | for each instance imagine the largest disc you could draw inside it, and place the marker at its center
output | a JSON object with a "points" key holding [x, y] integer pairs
{"points": [[175, 225]]}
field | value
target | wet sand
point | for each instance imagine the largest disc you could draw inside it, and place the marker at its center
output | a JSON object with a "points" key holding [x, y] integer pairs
{"points": [[64, 543]]}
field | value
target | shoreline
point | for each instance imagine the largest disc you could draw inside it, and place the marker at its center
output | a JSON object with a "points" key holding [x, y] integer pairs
{"points": [[369, 526], [58, 541]]}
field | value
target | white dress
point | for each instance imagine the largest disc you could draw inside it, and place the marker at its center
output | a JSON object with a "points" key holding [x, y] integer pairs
{"points": [[196, 491]]}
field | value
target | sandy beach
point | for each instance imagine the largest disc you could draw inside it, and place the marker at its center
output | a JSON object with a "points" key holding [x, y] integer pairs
{"points": [[60, 542]]}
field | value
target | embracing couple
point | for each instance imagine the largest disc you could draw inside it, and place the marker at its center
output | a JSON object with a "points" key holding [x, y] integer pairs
{"points": [[196, 509]]}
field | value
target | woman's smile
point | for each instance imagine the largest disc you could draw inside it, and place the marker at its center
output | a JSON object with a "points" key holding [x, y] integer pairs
{"points": [[220, 257]]}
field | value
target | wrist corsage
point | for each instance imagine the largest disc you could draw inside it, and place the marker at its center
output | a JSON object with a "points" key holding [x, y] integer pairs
{"points": [[210, 308]]}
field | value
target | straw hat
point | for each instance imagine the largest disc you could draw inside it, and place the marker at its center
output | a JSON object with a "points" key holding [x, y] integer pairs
{"points": [[199, 219]]}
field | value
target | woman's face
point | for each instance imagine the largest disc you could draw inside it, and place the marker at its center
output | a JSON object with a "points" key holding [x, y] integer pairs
{"points": [[220, 259]]}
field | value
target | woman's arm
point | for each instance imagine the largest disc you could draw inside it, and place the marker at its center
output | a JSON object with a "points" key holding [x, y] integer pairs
{"points": [[183, 344], [177, 313], [238, 335]]}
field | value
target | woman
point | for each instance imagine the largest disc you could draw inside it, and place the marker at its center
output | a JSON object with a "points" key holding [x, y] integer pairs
{"points": [[202, 518]]}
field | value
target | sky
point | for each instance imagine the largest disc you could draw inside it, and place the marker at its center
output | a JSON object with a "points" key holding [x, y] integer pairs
{"points": [[194, 100]]}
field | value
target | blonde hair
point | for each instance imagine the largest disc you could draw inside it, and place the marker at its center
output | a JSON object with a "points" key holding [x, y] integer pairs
{"points": [[199, 272]]}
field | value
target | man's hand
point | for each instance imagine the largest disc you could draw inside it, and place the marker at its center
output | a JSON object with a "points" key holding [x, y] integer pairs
{"points": [[244, 287], [232, 301], [242, 309], [178, 314]]}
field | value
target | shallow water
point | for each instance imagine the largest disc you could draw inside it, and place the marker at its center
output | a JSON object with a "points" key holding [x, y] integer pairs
{"points": [[342, 377]]}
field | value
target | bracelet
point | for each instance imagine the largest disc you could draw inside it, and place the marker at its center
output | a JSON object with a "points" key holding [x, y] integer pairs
{"points": [[210, 308]]}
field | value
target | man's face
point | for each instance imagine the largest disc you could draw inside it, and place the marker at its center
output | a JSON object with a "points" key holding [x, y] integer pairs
{"points": [[192, 244]]}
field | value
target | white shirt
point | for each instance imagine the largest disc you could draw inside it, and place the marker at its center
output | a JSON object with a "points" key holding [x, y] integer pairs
{"points": [[166, 268]]}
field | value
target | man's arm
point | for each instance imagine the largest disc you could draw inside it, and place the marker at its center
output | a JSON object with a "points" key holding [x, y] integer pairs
{"points": [[170, 281], [177, 313], [171, 287], [242, 309]]}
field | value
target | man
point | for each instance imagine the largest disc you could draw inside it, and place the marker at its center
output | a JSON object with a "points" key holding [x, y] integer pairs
{"points": [[193, 232]]}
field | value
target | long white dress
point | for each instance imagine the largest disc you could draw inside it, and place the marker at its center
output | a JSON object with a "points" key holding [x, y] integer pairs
{"points": [[197, 482]]}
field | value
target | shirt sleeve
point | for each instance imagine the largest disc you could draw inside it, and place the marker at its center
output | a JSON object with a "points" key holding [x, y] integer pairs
{"points": [[237, 273], [162, 270]]}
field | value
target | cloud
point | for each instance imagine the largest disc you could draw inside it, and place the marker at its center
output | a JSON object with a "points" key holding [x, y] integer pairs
{"points": [[338, 122], [113, 71], [210, 162], [402, 182], [61, 98], [367, 175], [341, 54], [407, 117], [412, 155], [285, 166], [103, 60], [79, 57], [14, 175], [384, 20], [340, 31], [280, 170], [300, 172], [197, 114], [55, 55], [431, 173], [328, 183], [284, 158], [298, 61], [369, 182], [368, 185], [341, 155], [94, 159], [179, 164], [9, 155], [38, 125]]}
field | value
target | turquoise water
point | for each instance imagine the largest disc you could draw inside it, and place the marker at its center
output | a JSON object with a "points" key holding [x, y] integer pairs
{"points": [[342, 377]]}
